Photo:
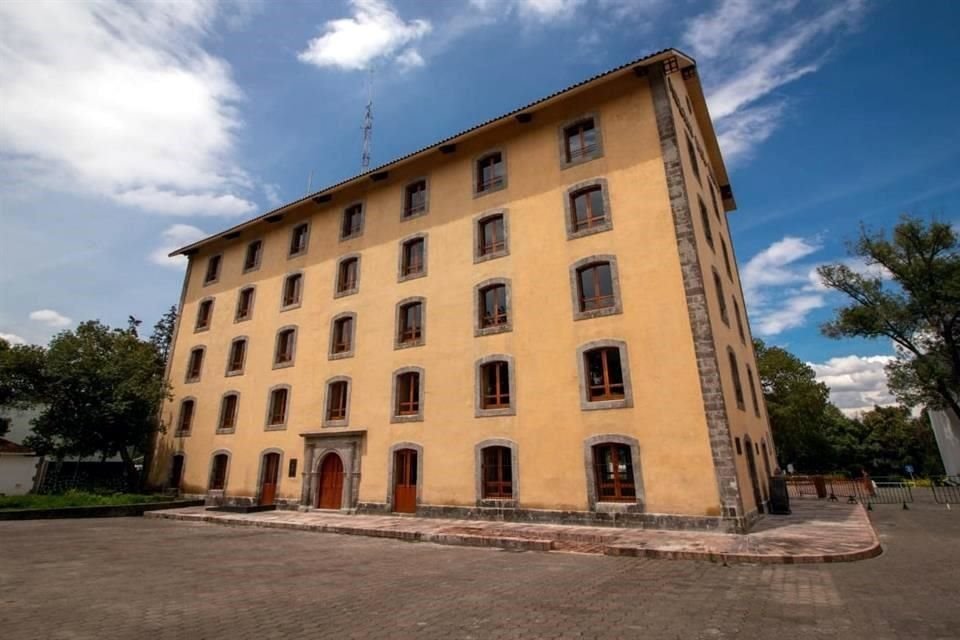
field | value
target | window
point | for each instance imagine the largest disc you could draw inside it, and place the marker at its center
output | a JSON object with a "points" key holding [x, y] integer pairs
{"points": [[218, 472], [238, 355], [713, 200], [580, 141], [595, 286], [497, 473], [726, 258], [495, 385], [613, 470], [413, 256], [735, 374], [415, 199], [587, 208], [352, 224], [410, 323], [184, 424], [753, 392], [244, 304], [705, 219], [491, 173], [604, 374], [213, 269], [277, 407], [739, 446], [491, 236], [286, 344], [721, 299], [736, 312], [692, 152], [292, 468], [252, 258], [348, 276], [228, 412], [493, 307], [407, 394], [204, 315], [341, 343], [298, 239], [195, 365], [337, 400], [292, 291]]}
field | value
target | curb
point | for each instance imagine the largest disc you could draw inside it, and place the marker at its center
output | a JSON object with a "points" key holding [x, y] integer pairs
{"points": [[96, 511]]}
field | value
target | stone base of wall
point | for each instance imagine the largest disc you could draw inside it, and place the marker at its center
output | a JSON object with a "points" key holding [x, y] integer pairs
{"points": [[217, 499]]}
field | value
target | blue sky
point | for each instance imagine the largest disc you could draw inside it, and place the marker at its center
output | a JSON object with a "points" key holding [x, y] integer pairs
{"points": [[127, 130]]}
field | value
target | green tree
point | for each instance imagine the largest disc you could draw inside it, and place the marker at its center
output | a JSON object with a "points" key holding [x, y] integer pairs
{"points": [[104, 388], [918, 309], [162, 337], [894, 439], [21, 374]]}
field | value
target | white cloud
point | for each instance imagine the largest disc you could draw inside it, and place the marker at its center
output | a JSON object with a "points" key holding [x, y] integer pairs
{"points": [[12, 338], [174, 237], [775, 266], [121, 101], [744, 130], [372, 34], [857, 383], [50, 318], [788, 313], [549, 9], [272, 193]]}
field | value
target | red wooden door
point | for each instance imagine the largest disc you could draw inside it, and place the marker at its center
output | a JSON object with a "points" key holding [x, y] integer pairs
{"points": [[271, 473], [405, 481], [330, 493]]}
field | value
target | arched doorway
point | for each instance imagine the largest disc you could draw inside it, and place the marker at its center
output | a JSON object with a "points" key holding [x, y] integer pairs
{"points": [[752, 464], [405, 481], [176, 471], [269, 478], [330, 491]]}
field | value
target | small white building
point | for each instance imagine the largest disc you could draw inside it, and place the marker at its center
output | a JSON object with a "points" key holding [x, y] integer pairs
{"points": [[18, 467]]}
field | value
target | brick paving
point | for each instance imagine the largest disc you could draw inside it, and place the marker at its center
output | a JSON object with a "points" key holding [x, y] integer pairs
{"points": [[159, 579], [815, 532]]}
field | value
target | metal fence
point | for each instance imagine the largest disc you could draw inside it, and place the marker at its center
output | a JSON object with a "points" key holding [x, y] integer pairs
{"points": [[862, 490], [946, 490]]}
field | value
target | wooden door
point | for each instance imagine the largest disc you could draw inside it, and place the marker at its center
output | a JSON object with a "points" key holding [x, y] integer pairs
{"points": [[271, 474], [176, 472], [405, 481], [330, 493]]}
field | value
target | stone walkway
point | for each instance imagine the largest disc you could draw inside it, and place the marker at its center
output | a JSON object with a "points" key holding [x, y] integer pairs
{"points": [[815, 532]]}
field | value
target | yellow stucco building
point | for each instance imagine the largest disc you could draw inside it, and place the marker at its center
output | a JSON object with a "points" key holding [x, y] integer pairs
{"points": [[539, 318]]}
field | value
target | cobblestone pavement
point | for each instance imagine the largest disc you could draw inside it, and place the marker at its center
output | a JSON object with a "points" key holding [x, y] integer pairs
{"points": [[158, 579]]}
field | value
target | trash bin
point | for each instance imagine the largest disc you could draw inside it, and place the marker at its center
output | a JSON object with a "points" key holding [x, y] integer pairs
{"points": [[779, 498]]}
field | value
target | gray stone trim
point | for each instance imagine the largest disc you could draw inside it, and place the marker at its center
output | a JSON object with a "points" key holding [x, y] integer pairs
{"points": [[325, 420], [306, 244], [253, 301], [423, 323], [283, 288], [177, 433], [218, 494], [336, 276], [478, 410], [243, 365], [353, 336], [595, 504], [627, 400], [403, 199], [617, 307], [196, 324], [363, 220], [347, 446], [286, 413], [203, 356], [220, 430], [402, 246], [721, 441], [416, 417], [562, 140], [391, 462], [219, 270], [477, 221], [276, 347], [606, 225], [479, 330], [256, 265], [503, 503], [476, 171], [280, 473]]}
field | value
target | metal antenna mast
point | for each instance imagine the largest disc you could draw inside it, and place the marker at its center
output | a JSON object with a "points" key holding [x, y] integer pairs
{"points": [[367, 124]]}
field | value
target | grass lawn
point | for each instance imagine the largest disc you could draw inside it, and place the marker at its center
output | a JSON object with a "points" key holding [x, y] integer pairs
{"points": [[75, 499]]}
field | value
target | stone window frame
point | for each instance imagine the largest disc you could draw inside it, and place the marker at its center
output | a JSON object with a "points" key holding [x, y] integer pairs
{"points": [[593, 498], [202, 348], [705, 223], [726, 257], [478, 410], [283, 289], [422, 340], [736, 312], [206, 272], [478, 220], [617, 307], [306, 241], [177, 432], [478, 329], [243, 365], [280, 426], [196, 325], [363, 220], [623, 403], [336, 276], [422, 235], [403, 199], [606, 225], [475, 164], [280, 471], [721, 297], [236, 418], [562, 139], [340, 422], [226, 473], [734, 363], [353, 336], [253, 299], [391, 472], [755, 400], [414, 417], [256, 266], [276, 346], [506, 503]]}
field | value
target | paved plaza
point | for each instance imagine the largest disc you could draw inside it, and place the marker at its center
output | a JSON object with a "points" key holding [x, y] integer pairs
{"points": [[157, 579]]}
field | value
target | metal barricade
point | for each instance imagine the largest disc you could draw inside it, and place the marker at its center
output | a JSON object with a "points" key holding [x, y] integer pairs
{"points": [[946, 490], [885, 492]]}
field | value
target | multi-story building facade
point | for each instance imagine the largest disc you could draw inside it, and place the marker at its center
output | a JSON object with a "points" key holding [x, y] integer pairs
{"points": [[538, 318]]}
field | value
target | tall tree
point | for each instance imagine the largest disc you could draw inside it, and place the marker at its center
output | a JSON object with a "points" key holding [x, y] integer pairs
{"points": [[21, 374], [918, 309], [162, 337]]}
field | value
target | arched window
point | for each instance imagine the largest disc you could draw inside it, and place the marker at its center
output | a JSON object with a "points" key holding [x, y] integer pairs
{"points": [[613, 471], [244, 304], [497, 473], [285, 348], [238, 356], [185, 422], [604, 374], [348, 276], [491, 173], [341, 342], [413, 258], [218, 472], [721, 299], [735, 375], [595, 287], [251, 259], [491, 237], [407, 395], [415, 199], [495, 385], [352, 224], [195, 364], [705, 220], [493, 306], [736, 313], [204, 314], [299, 238], [277, 407], [292, 291], [338, 400], [753, 392], [229, 408], [410, 323]]}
